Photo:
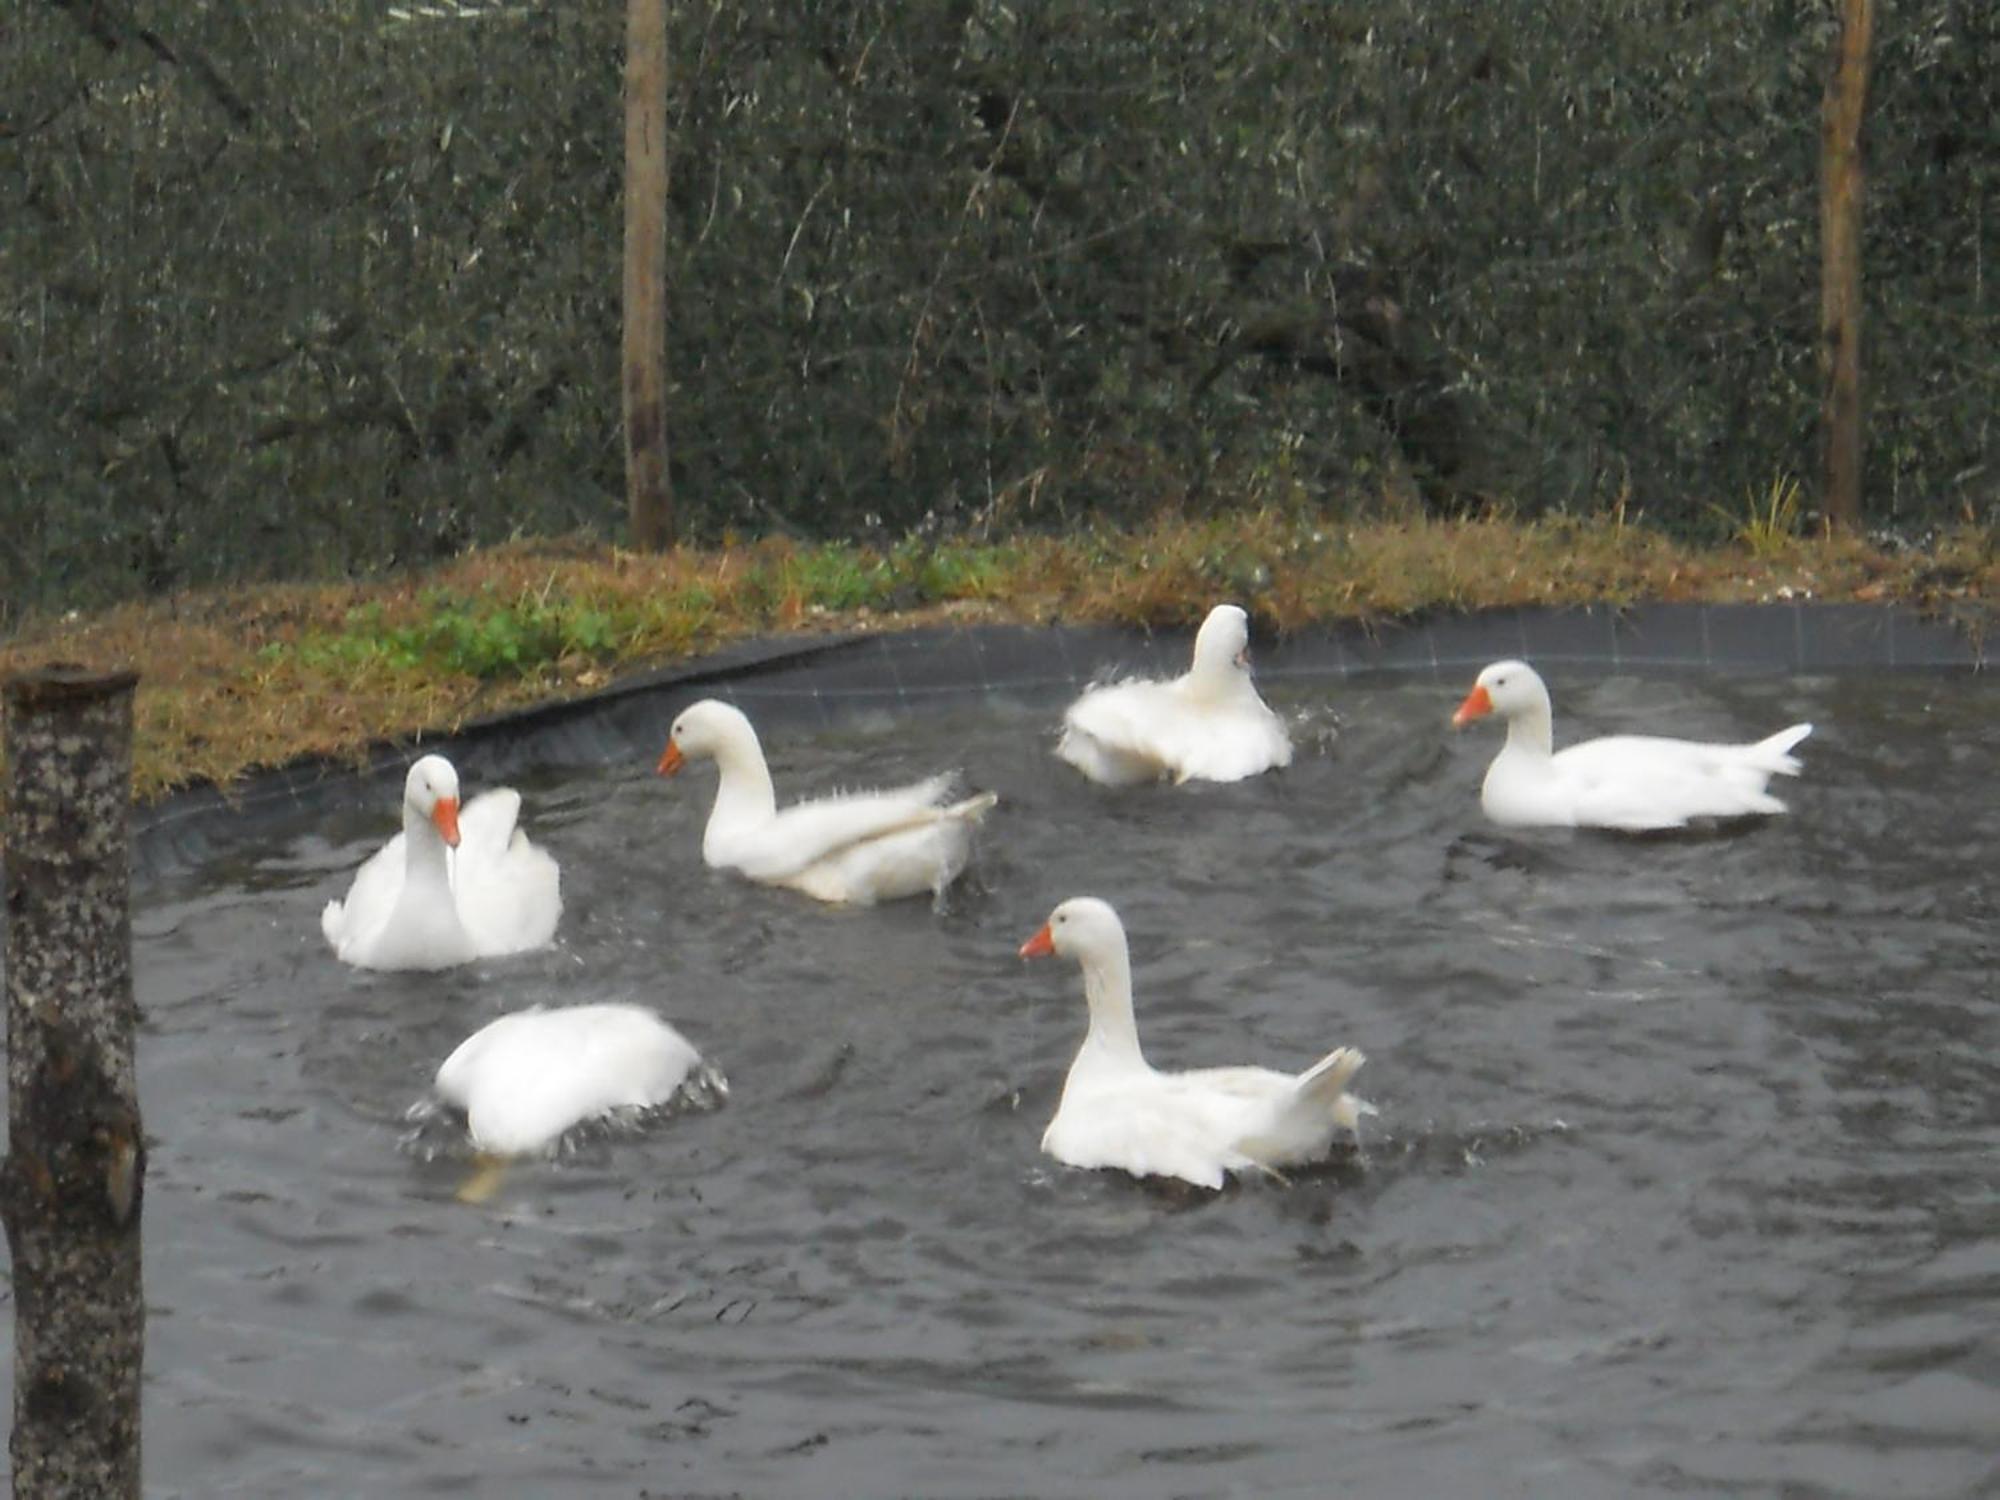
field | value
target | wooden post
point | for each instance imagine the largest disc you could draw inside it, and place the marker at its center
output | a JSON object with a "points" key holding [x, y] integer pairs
{"points": [[1841, 177], [648, 487], [71, 1186]]}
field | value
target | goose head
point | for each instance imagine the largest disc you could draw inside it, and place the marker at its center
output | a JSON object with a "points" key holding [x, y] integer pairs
{"points": [[704, 731], [1088, 930], [430, 792], [1082, 928], [1507, 688], [1222, 645]]}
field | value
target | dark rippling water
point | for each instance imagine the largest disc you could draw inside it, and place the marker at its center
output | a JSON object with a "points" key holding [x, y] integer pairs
{"points": [[1684, 1181]]}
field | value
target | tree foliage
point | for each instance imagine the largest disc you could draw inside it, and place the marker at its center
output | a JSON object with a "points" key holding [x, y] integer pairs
{"points": [[336, 288]]}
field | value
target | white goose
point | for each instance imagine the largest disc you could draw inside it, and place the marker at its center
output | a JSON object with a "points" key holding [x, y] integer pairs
{"points": [[453, 886], [527, 1078], [858, 847], [1207, 725], [1119, 1111], [1629, 782]]}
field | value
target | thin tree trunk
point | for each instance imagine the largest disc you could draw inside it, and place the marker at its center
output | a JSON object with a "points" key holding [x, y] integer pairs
{"points": [[648, 487], [71, 1186], [1841, 114]]}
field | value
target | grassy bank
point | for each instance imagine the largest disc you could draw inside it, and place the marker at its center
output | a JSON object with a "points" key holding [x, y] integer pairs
{"points": [[235, 680]]}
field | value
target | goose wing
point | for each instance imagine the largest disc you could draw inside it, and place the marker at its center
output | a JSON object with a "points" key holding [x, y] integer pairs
{"points": [[1641, 782], [806, 833], [370, 900], [507, 889]]}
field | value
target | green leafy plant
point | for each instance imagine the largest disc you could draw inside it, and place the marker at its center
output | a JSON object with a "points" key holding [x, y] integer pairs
{"points": [[836, 576], [363, 643], [957, 572], [480, 636]]}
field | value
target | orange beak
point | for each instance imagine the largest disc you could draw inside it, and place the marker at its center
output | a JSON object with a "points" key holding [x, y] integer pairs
{"points": [[445, 815], [671, 760], [1041, 945], [1477, 705]]}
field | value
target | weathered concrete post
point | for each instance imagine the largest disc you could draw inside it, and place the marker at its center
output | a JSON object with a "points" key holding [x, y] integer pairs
{"points": [[71, 1186]]}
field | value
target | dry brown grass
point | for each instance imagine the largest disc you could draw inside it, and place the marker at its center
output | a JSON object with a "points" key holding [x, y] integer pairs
{"points": [[239, 679]]}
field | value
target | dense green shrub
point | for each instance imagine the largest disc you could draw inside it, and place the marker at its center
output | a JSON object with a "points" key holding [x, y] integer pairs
{"points": [[327, 288]]}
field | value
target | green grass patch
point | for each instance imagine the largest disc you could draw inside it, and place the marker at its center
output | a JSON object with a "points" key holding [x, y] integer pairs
{"points": [[482, 636]]}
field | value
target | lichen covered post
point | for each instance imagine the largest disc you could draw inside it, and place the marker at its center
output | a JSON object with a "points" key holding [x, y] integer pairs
{"points": [[71, 1186]]}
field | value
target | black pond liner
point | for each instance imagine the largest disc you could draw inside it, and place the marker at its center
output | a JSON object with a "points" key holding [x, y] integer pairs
{"points": [[818, 679]]}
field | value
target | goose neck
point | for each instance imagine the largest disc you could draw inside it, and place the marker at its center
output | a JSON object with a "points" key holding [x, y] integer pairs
{"points": [[743, 791], [1107, 987], [1531, 731], [1215, 683], [426, 859]]}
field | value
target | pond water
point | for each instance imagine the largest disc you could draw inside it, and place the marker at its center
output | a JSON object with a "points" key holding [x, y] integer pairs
{"points": [[1684, 1179]]}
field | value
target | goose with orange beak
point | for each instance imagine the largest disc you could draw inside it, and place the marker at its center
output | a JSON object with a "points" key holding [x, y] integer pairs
{"points": [[1120, 1112], [853, 848], [458, 883], [1208, 724], [1633, 783]]}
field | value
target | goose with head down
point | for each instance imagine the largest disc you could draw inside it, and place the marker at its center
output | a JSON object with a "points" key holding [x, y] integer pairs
{"points": [[1635, 783], [1121, 1112], [456, 884], [855, 847], [527, 1079], [1206, 725]]}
